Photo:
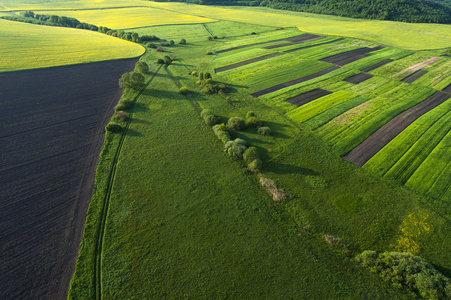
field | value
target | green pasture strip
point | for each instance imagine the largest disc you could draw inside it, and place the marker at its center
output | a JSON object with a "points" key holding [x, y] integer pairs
{"points": [[411, 160], [226, 59], [308, 43], [378, 56], [358, 132], [320, 105], [374, 86], [323, 51], [438, 75], [191, 33], [434, 168], [223, 44], [395, 67], [382, 161], [225, 29], [273, 71], [327, 81], [333, 112], [181, 227]]}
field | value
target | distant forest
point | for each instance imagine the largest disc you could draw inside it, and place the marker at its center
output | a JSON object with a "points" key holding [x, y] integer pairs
{"points": [[412, 11]]}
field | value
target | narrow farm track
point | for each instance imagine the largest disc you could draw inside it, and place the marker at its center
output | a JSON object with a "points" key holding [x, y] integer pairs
{"points": [[379, 139], [106, 200]]}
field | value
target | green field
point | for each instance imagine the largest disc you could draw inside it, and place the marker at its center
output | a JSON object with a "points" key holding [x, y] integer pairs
{"points": [[174, 216], [26, 46]]}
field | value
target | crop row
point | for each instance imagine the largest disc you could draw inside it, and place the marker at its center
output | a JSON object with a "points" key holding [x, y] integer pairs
{"points": [[438, 76], [378, 56], [320, 105], [353, 133]]}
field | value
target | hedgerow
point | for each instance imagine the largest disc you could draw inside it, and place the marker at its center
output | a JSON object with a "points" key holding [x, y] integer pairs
{"points": [[236, 147], [209, 118], [236, 124]]}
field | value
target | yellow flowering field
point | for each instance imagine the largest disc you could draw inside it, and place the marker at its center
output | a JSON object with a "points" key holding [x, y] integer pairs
{"points": [[27, 46]]}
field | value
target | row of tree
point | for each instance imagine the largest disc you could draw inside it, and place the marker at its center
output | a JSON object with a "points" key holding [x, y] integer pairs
{"points": [[412, 11]]}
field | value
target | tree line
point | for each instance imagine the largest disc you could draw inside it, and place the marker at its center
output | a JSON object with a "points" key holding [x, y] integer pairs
{"points": [[61, 21], [411, 11]]}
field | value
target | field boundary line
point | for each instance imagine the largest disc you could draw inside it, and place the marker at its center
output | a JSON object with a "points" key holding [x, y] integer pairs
{"points": [[106, 200]]}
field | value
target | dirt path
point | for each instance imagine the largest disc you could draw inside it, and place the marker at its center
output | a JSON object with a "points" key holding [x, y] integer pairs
{"points": [[418, 66]]}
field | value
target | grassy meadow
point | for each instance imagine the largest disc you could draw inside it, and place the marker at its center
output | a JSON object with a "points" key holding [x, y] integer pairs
{"points": [[174, 216], [26, 46]]}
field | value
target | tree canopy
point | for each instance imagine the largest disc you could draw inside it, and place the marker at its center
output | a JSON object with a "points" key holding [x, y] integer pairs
{"points": [[132, 80]]}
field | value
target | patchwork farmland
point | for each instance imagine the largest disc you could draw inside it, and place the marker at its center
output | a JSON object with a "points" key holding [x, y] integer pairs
{"points": [[358, 96]]}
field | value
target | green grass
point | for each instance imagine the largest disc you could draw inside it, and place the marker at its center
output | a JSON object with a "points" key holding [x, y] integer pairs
{"points": [[320, 105], [27, 46], [191, 33], [232, 29]]}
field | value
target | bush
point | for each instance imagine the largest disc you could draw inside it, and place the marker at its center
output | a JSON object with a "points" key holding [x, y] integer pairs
{"points": [[151, 46], [235, 148], [159, 49], [160, 61], [182, 42], [405, 270], [264, 130], [207, 75], [236, 124], [167, 60], [209, 53], [184, 91], [132, 80], [251, 154], [121, 115], [253, 122], [221, 132], [209, 118], [171, 42], [141, 67], [255, 165], [210, 38], [123, 104], [113, 127]]}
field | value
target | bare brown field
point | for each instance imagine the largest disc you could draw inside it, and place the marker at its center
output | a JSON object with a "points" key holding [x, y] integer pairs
{"points": [[344, 58], [447, 89], [52, 133], [307, 97], [379, 139], [361, 77], [414, 76], [297, 40]]}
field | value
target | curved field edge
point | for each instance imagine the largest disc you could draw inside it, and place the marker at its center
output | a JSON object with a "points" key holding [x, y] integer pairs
{"points": [[28, 46], [403, 35]]}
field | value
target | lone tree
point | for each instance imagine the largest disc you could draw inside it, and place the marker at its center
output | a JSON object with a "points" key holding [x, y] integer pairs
{"points": [[132, 80], [141, 67]]}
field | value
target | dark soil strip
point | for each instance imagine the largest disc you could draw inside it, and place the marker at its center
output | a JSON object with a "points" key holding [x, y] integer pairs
{"points": [[447, 89], [350, 56], [309, 96], [379, 139], [311, 46], [246, 62], [293, 82], [52, 134], [244, 46], [296, 40], [375, 66], [414, 76], [361, 77]]}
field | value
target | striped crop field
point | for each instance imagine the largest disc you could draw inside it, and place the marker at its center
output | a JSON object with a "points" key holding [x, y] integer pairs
{"points": [[27, 46], [133, 17], [354, 93]]}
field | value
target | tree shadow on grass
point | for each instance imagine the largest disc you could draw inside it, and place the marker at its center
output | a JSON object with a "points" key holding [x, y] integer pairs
{"points": [[173, 95], [133, 133], [140, 107], [140, 121], [280, 168]]}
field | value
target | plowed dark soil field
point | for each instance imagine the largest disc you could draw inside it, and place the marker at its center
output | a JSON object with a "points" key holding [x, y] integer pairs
{"points": [[361, 77], [350, 56], [379, 64], [414, 76], [52, 133], [308, 97]]}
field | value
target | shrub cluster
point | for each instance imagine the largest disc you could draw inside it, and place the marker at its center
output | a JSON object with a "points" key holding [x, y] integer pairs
{"points": [[184, 91], [113, 127], [132, 80], [236, 147], [141, 67], [236, 124], [405, 270], [182, 42], [123, 104], [207, 84], [209, 118], [252, 120], [121, 115], [264, 130], [221, 132]]}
